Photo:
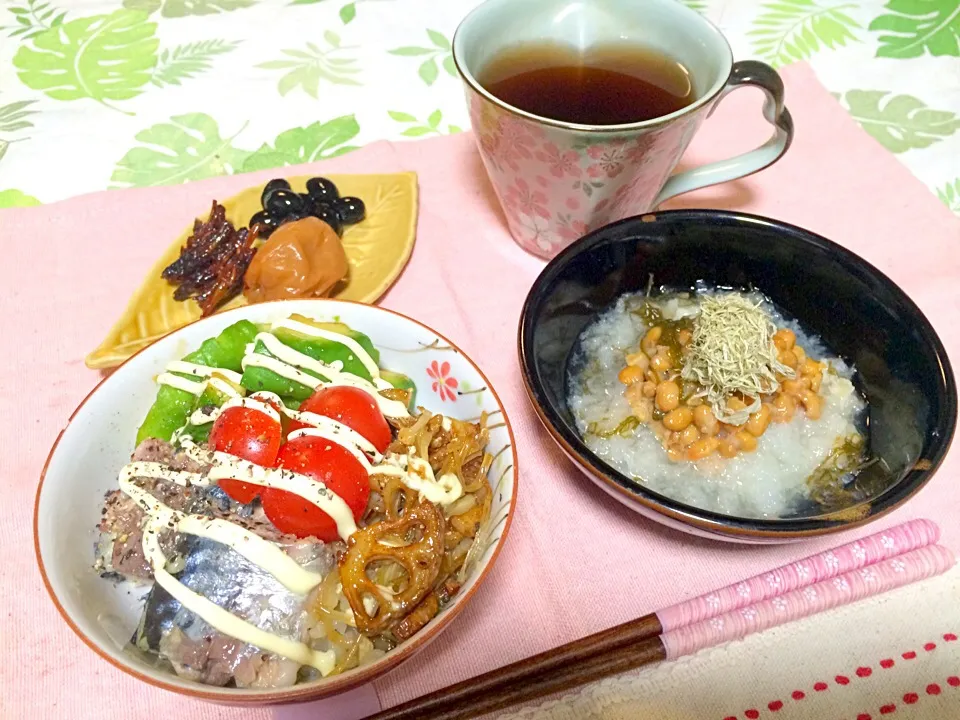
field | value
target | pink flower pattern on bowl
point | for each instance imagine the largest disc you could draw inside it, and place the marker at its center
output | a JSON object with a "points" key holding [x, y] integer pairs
{"points": [[443, 385]]}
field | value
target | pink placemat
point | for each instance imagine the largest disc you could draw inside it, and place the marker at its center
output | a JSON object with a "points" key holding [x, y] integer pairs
{"points": [[576, 561]]}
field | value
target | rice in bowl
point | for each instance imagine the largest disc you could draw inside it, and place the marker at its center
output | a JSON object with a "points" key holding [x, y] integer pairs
{"points": [[775, 457]]}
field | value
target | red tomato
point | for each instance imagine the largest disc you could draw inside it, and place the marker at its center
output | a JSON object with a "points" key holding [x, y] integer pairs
{"points": [[325, 462], [251, 435], [277, 405], [352, 407]]}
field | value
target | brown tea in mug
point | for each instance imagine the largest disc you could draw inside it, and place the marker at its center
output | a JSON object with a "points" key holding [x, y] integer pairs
{"points": [[604, 85]]}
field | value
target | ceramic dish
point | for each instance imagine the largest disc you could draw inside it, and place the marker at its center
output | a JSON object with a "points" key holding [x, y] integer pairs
{"points": [[99, 438], [377, 251], [861, 315]]}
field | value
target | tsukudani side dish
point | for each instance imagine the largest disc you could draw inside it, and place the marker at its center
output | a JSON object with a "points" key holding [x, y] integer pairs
{"points": [[344, 236]]}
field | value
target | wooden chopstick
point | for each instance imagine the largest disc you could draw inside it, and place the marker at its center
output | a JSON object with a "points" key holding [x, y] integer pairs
{"points": [[609, 653], [592, 657], [860, 553], [525, 680]]}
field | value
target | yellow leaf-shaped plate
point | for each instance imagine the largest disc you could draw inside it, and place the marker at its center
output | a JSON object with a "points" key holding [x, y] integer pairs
{"points": [[377, 251]]}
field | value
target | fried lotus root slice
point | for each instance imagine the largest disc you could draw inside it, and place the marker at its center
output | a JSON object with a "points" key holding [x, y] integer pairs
{"points": [[420, 559], [420, 616], [397, 498]]}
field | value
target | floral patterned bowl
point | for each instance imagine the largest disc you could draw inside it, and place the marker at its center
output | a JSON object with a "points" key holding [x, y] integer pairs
{"points": [[99, 438]]}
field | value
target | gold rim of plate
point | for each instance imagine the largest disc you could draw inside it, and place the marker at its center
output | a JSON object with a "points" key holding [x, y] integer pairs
{"points": [[377, 251]]}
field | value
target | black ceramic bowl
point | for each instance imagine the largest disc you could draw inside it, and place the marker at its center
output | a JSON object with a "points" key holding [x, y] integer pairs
{"points": [[860, 314]]}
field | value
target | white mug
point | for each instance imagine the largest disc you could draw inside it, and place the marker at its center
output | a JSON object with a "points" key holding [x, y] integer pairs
{"points": [[557, 180]]}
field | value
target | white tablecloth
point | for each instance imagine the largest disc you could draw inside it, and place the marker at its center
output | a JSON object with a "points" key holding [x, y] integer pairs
{"points": [[96, 94]]}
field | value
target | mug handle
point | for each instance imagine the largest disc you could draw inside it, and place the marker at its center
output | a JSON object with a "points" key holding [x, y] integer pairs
{"points": [[744, 72]]}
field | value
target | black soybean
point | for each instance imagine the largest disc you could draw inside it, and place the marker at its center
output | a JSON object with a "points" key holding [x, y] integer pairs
{"points": [[264, 223], [350, 209], [281, 203], [330, 217], [312, 206], [319, 208], [275, 184], [293, 217], [322, 189]]}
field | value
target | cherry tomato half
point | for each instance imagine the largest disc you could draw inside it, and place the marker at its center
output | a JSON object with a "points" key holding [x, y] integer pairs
{"points": [[329, 463], [352, 407], [277, 405], [251, 435]]}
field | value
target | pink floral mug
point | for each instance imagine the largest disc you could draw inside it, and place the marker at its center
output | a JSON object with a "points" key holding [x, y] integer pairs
{"points": [[558, 180]]}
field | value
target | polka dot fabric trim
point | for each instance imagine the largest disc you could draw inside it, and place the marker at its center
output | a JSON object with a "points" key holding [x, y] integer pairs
{"points": [[933, 689], [791, 672]]}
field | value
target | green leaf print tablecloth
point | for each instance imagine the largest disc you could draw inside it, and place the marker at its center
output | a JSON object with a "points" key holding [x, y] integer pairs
{"points": [[122, 93]]}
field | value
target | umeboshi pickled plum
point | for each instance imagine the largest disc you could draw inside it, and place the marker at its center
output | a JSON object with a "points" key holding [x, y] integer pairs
{"points": [[301, 259]]}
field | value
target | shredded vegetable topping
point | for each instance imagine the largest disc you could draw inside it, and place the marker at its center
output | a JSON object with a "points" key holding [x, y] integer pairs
{"points": [[732, 351]]}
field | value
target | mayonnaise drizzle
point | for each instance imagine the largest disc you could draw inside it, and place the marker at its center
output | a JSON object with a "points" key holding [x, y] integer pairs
{"points": [[230, 467], [262, 553], [258, 551], [337, 439], [230, 624], [416, 474], [320, 425], [201, 371], [356, 348], [218, 378], [257, 401], [181, 383], [288, 362]]}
